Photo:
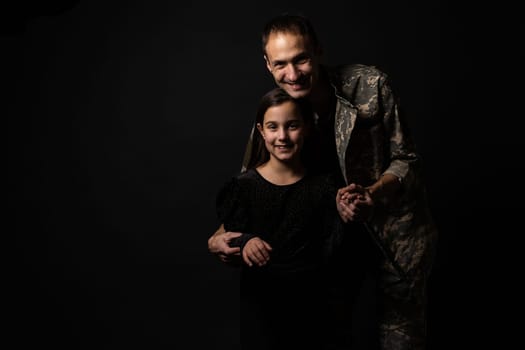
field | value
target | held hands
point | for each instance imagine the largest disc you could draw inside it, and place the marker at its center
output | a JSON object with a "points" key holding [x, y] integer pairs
{"points": [[354, 203], [256, 252]]}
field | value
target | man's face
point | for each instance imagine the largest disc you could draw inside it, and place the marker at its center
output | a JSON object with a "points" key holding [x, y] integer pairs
{"points": [[293, 63]]}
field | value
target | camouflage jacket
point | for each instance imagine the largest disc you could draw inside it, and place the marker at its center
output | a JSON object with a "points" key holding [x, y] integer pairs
{"points": [[372, 139]]}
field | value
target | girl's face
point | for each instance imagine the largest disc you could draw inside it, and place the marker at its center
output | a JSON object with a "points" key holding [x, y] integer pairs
{"points": [[283, 131]]}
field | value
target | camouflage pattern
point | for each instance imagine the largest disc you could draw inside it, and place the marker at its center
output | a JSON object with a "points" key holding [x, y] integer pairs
{"points": [[366, 112]]}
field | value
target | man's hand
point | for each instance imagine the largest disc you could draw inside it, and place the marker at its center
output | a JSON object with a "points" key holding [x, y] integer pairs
{"points": [[218, 244]]}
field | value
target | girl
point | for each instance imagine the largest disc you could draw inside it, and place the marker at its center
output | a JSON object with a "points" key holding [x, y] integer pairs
{"points": [[289, 224]]}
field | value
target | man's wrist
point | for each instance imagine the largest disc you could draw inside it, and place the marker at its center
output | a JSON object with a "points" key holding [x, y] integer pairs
{"points": [[375, 191], [384, 187]]}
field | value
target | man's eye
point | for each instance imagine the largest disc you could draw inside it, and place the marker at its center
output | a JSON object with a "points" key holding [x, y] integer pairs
{"points": [[301, 59]]}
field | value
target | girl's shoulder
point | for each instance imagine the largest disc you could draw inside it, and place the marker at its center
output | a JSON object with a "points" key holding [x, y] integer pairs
{"points": [[247, 177]]}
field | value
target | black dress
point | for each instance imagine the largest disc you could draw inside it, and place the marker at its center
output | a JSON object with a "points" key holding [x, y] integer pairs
{"points": [[283, 303]]}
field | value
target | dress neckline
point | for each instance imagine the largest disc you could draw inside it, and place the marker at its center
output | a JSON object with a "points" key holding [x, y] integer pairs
{"points": [[276, 185]]}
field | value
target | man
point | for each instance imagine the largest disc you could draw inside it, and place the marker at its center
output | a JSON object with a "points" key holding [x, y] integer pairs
{"points": [[364, 139]]}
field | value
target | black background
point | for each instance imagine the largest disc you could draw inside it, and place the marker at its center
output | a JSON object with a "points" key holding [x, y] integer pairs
{"points": [[123, 119]]}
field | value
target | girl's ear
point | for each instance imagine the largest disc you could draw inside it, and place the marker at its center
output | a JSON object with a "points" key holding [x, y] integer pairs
{"points": [[260, 128]]}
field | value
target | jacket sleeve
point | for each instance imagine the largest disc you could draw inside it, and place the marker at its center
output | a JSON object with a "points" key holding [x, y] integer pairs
{"points": [[403, 155]]}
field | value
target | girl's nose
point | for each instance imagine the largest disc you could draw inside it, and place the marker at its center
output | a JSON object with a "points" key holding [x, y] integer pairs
{"points": [[283, 134]]}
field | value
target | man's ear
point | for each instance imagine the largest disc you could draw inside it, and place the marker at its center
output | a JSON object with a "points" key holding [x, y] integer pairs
{"points": [[319, 51], [260, 128], [267, 63]]}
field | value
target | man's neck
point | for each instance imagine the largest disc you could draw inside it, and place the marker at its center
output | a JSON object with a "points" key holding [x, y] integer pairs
{"points": [[322, 97]]}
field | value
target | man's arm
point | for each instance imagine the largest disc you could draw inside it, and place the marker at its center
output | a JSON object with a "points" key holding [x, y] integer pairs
{"points": [[218, 244]]}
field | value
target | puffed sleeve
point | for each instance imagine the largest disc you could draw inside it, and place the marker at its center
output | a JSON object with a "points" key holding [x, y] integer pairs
{"points": [[229, 206], [232, 211]]}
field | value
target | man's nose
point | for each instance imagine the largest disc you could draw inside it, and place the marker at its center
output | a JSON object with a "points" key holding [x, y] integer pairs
{"points": [[292, 73]]}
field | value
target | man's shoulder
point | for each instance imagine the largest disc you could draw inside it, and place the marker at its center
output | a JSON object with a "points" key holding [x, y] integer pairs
{"points": [[357, 83], [357, 71]]}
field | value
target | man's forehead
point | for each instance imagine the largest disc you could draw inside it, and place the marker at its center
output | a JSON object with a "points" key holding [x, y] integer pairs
{"points": [[283, 39], [286, 46]]}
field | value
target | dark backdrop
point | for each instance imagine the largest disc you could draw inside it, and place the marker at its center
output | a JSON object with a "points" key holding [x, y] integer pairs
{"points": [[124, 118]]}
